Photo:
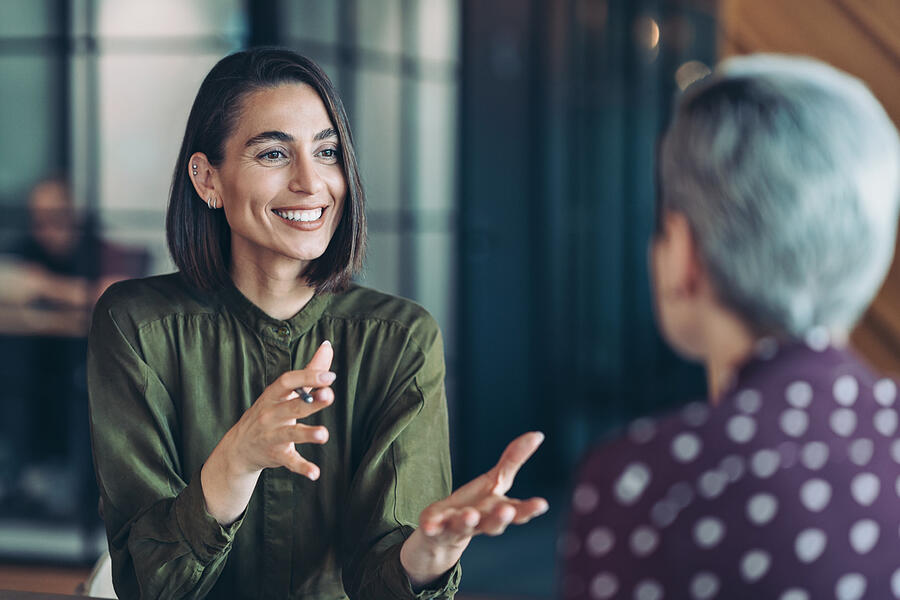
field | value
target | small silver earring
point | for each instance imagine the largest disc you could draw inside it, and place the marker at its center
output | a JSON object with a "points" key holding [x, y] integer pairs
{"points": [[210, 203], [195, 169]]}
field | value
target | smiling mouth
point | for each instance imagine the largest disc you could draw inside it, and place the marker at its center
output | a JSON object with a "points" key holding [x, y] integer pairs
{"points": [[300, 216]]}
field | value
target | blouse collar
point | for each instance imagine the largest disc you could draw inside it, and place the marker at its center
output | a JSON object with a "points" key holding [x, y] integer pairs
{"points": [[272, 329]]}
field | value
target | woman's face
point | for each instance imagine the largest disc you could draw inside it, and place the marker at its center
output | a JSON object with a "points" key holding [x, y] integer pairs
{"points": [[281, 182], [674, 282]]}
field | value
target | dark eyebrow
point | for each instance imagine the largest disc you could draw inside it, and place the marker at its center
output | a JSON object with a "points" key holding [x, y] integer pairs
{"points": [[325, 134], [269, 136]]}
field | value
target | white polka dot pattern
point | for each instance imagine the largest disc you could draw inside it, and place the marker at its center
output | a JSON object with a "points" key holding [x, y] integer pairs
{"points": [[681, 494], [642, 431], [864, 535], [846, 389], [685, 447], [801, 466], [895, 583], [604, 585], [733, 467], [632, 483], [704, 586], [600, 541], [755, 564], [708, 532], [895, 451], [850, 587], [865, 488], [843, 422], [648, 590], [799, 394], [815, 494], [664, 513], [885, 392], [814, 455], [762, 508], [860, 451], [748, 401], [711, 484], [741, 428], [644, 541], [585, 498], [695, 414], [810, 544], [794, 422], [764, 463], [885, 422]]}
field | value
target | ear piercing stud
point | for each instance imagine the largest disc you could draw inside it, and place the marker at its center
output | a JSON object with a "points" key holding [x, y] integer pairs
{"points": [[195, 169]]}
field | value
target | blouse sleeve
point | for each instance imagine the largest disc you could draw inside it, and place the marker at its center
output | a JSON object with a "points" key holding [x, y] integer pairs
{"points": [[405, 468], [163, 542]]}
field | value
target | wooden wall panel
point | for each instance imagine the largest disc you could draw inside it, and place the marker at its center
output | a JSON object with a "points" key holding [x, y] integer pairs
{"points": [[858, 36]]}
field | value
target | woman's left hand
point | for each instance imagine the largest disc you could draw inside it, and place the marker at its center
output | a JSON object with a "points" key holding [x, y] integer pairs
{"points": [[480, 506]]}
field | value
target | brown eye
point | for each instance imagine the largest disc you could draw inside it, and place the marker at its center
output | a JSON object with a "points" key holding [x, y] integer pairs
{"points": [[272, 155]]}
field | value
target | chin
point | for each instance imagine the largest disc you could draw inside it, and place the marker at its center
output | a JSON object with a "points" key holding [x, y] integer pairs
{"points": [[683, 341]]}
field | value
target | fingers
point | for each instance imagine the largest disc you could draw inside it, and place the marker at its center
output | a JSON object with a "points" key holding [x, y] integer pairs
{"points": [[284, 386], [301, 434], [497, 519], [490, 519], [295, 408], [299, 465], [321, 360], [526, 510], [517, 452]]}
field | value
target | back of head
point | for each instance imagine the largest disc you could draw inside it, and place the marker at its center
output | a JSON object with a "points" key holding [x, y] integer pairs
{"points": [[788, 171]]}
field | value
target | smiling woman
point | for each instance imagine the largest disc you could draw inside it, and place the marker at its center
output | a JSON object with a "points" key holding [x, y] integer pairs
{"points": [[214, 390]]}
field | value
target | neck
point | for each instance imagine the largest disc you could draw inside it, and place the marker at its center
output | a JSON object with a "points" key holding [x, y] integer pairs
{"points": [[729, 344], [279, 290]]}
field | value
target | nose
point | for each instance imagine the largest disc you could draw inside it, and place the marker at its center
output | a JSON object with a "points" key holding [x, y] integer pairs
{"points": [[305, 177]]}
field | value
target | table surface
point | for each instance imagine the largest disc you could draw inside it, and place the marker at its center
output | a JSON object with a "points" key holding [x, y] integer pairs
{"points": [[14, 595]]}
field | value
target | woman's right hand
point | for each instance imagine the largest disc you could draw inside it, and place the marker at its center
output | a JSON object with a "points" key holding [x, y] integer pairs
{"points": [[265, 437]]}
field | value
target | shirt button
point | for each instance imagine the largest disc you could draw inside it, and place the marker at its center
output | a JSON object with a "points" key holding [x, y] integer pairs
{"points": [[283, 331]]}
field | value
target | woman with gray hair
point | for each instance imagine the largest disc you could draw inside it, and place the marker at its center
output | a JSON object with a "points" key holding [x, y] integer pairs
{"points": [[779, 186]]}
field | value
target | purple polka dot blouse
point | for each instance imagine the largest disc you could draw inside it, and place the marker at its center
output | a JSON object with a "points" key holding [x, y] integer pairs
{"points": [[788, 489]]}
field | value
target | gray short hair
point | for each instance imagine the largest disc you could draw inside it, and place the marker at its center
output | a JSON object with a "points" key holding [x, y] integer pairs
{"points": [[788, 172]]}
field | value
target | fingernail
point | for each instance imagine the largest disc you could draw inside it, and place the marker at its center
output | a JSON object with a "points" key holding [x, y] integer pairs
{"points": [[541, 435], [313, 475], [325, 343], [327, 377], [320, 434]]}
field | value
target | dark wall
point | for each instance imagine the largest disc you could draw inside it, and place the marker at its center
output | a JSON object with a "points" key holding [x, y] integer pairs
{"points": [[562, 105]]}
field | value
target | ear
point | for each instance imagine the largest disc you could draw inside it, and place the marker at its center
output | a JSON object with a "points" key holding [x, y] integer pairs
{"points": [[205, 179], [685, 274]]}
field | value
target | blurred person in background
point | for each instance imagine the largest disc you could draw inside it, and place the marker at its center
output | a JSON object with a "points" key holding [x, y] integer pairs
{"points": [[46, 293], [213, 467], [55, 265], [778, 196]]}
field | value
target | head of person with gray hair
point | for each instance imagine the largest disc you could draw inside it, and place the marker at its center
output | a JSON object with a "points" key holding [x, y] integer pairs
{"points": [[779, 185]]}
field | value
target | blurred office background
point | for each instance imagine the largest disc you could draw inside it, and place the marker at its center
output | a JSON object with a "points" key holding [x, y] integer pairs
{"points": [[507, 148]]}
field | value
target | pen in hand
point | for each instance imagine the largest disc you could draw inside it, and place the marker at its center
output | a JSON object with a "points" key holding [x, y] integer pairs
{"points": [[304, 395]]}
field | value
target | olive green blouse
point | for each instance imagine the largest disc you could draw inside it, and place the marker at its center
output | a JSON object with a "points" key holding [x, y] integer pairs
{"points": [[171, 369]]}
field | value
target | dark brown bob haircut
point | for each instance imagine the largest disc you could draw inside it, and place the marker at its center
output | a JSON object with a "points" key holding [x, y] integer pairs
{"points": [[199, 238]]}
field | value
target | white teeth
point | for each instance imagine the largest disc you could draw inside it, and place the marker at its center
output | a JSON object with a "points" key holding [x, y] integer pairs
{"points": [[303, 216]]}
